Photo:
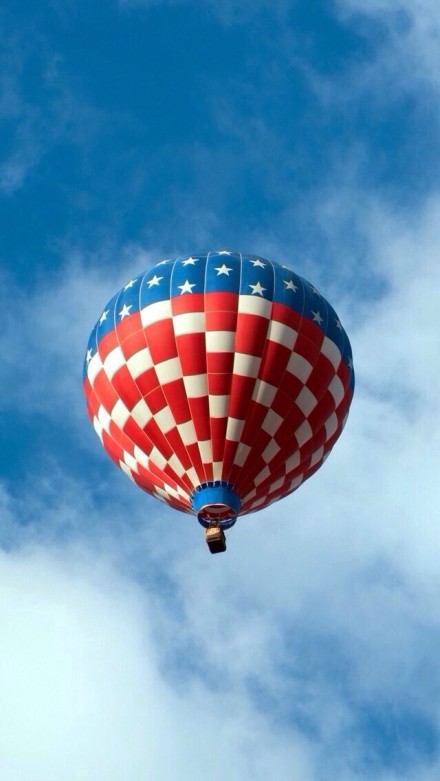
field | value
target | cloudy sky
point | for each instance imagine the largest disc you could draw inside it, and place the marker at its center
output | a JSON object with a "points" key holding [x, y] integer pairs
{"points": [[306, 132]]}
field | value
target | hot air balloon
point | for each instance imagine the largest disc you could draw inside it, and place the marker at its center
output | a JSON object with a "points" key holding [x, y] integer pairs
{"points": [[218, 383]]}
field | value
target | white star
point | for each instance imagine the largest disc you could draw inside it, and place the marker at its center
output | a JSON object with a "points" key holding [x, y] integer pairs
{"points": [[130, 284], [257, 262], [290, 285], [189, 262], [338, 324], [186, 287], [223, 270], [125, 311], [224, 252], [103, 316], [257, 289], [162, 262], [88, 356], [154, 281], [317, 317], [314, 290], [350, 363]]}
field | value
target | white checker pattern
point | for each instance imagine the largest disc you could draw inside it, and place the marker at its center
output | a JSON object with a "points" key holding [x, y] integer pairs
{"points": [[241, 454], [299, 367], [220, 341], [336, 388], [141, 413], [331, 425], [114, 361], [189, 323], [104, 419], [126, 469], [139, 363], [246, 365], [165, 420], [254, 305], [176, 465], [154, 313], [187, 432], [218, 406], [168, 371], [272, 422], [270, 451], [303, 433], [264, 393], [120, 414], [196, 386], [93, 369], [282, 334], [234, 429], [331, 351], [306, 401]]}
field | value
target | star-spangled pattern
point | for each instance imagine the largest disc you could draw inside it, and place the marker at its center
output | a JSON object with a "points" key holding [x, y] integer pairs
{"points": [[218, 367]]}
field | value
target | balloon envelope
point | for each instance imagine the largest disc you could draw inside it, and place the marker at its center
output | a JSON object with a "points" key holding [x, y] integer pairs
{"points": [[218, 382]]}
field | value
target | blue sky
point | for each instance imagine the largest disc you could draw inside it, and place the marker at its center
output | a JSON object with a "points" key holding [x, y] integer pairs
{"points": [[307, 133]]}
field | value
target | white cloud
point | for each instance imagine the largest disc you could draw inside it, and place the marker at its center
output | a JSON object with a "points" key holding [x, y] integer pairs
{"points": [[34, 124], [125, 653], [325, 606], [82, 692], [45, 331], [350, 562], [126, 650], [409, 53], [21, 121]]}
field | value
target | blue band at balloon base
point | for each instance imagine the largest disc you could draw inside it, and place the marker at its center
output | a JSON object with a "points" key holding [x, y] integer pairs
{"points": [[208, 497]]}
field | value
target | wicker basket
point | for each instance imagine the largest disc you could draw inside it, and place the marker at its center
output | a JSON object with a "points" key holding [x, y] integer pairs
{"points": [[215, 538]]}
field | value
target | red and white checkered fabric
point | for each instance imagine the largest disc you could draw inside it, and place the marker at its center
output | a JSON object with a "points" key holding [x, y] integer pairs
{"points": [[218, 367]]}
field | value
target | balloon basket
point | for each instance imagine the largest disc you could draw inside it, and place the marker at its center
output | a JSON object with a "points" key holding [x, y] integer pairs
{"points": [[215, 539]]}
